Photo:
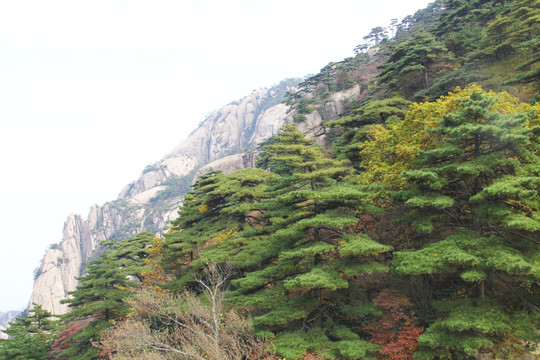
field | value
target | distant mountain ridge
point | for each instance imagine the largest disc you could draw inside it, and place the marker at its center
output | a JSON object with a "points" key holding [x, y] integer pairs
{"points": [[5, 319]]}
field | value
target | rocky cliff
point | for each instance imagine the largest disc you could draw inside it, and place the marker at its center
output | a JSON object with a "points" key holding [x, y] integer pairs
{"points": [[226, 141]]}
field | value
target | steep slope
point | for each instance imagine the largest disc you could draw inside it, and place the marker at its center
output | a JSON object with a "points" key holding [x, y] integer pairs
{"points": [[225, 141], [150, 202]]}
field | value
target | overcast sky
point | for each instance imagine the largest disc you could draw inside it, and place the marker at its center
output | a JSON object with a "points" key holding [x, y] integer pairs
{"points": [[93, 91]]}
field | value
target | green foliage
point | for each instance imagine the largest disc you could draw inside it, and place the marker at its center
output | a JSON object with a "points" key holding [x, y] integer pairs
{"points": [[216, 210], [469, 327], [174, 188], [353, 129], [413, 63], [470, 256], [304, 239], [304, 105], [459, 14], [294, 345], [513, 32], [361, 244], [30, 337], [103, 289], [309, 218], [298, 118], [376, 35], [333, 77]]}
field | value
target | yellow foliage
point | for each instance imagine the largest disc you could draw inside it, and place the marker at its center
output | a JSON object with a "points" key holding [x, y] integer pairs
{"points": [[535, 121], [391, 150], [221, 236], [156, 276], [203, 209]]}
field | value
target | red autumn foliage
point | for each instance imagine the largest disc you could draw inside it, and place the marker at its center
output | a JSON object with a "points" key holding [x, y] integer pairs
{"points": [[396, 331], [61, 344]]}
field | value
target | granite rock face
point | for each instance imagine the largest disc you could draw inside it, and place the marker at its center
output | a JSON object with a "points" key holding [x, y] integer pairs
{"points": [[237, 126], [62, 263], [229, 164]]}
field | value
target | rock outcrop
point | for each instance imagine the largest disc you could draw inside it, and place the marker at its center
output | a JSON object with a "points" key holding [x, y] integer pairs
{"points": [[229, 164], [225, 141], [237, 126]]}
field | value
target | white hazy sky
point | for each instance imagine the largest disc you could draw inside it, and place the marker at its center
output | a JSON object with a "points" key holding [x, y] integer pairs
{"points": [[93, 91]]}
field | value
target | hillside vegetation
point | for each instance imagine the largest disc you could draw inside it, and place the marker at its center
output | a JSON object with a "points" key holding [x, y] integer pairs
{"points": [[409, 228]]}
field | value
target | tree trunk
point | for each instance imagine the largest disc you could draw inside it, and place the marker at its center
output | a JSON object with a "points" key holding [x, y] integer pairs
{"points": [[482, 289]]}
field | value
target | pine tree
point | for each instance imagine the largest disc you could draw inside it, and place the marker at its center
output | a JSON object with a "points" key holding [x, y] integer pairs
{"points": [[303, 260], [458, 14], [411, 66], [102, 292], [197, 221], [30, 337], [525, 40], [211, 218], [376, 35]]}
